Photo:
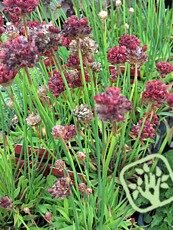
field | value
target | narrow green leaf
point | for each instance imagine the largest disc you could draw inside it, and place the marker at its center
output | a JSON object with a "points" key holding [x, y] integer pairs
{"points": [[132, 186], [135, 194], [139, 171]]}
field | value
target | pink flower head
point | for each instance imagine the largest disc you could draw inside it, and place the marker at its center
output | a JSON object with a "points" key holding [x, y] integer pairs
{"points": [[74, 27], [65, 41], [66, 132], [117, 55], [111, 106], [146, 130], [6, 75], [18, 52], [129, 41], [20, 7], [164, 68], [61, 188], [155, 93]]}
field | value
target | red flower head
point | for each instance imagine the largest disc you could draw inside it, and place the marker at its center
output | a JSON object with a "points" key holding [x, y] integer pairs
{"points": [[20, 7], [74, 27], [18, 52], [117, 55], [129, 41], [170, 100], [56, 84], [135, 52], [6, 75], [146, 130], [155, 93], [2, 29], [111, 106], [164, 68]]}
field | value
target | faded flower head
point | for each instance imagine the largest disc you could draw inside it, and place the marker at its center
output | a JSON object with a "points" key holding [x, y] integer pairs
{"points": [[48, 217], [82, 187], [74, 27], [60, 164], [45, 36], [164, 68], [118, 3], [81, 156], [42, 91], [117, 55], [111, 105], [131, 10], [61, 188], [66, 132], [103, 15], [83, 113], [5, 202], [95, 66], [6, 75], [33, 119], [155, 93], [18, 53], [87, 45]]}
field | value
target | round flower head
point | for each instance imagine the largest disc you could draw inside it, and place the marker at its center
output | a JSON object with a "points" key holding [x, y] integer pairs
{"points": [[20, 7], [164, 68], [56, 84], [74, 27], [6, 75], [117, 55], [111, 105], [66, 132], [33, 119], [18, 52], [129, 41], [155, 93], [135, 52], [61, 188], [146, 130]]}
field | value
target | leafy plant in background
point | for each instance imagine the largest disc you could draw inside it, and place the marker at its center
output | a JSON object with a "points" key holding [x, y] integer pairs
{"points": [[77, 98]]}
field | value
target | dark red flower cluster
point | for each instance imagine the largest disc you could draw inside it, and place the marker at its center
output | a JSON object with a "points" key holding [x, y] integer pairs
{"points": [[5, 202], [113, 73], [18, 53], [155, 93], [2, 29], [6, 75], [111, 105], [117, 55], [73, 61], [73, 78], [146, 130], [66, 132], [45, 36], [135, 52], [131, 42], [74, 27], [17, 8], [164, 68], [61, 188]]}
